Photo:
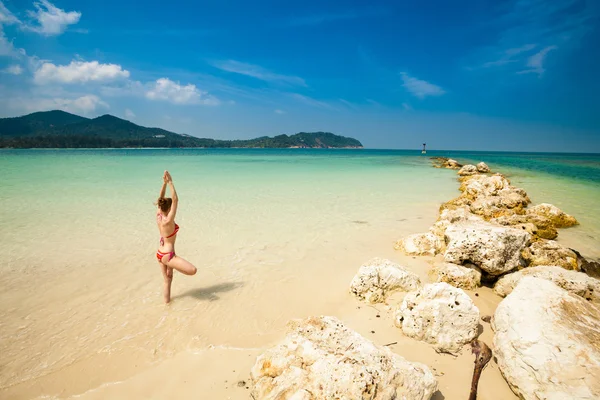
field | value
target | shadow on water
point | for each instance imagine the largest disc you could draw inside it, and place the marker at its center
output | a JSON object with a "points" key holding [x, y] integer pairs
{"points": [[210, 293]]}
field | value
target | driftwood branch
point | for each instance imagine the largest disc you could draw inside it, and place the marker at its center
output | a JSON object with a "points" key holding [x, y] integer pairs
{"points": [[483, 355]]}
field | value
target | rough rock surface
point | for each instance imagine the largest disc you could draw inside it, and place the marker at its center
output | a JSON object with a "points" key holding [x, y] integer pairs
{"points": [[549, 252], [534, 224], [547, 342], [468, 169], [483, 168], [572, 281], [419, 244], [592, 268], [458, 276], [449, 216], [555, 215], [452, 164], [320, 358], [439, 314], [379, 277], [493, 248]]}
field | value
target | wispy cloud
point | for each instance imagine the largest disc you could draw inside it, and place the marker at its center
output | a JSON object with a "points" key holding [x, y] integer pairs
{"points": [[536, 61], [279, 111], [407, 106], [420, 88], [6, 17], [51, 20], [129, 114], [86, 104], [258, 72], [310, 101], [509, 56], [13, 70], [525, 25], [317, 19]]}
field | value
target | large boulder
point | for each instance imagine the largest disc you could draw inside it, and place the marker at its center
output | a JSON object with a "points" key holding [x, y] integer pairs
{"points": [[449, 216], [467, 170], [320, 358], [547, 342], [483, 168], [493, 248], [572, 281], [379, 277], [439, 314], [458, 276], [419, 244], [553, 214], [549, 252], [484, 185]]}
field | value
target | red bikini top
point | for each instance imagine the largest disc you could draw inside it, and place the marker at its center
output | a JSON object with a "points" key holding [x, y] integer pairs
{"points": [[162, 240]]}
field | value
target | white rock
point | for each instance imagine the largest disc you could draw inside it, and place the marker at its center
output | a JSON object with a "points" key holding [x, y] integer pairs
{"points": [[320, 358], [449, 216], [493, 248], [419, 244], [485, 185], [547, 342], [458, 276], [483, 168], [439, 314], [468, 169], [574, 282], [379, 277], [452, 164]]}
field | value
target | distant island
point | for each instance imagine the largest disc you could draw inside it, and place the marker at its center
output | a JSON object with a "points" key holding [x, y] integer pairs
{"points": [[59, 129]]}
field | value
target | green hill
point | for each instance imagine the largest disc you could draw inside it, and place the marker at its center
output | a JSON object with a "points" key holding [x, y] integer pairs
{"points": [[59, 129]]}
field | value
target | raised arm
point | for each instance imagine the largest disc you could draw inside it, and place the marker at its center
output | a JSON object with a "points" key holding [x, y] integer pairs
{"points": [[163, 189], [173, 210]]}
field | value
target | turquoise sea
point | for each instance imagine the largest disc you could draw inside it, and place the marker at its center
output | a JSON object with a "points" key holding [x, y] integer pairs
{"points": [[81, 284]]}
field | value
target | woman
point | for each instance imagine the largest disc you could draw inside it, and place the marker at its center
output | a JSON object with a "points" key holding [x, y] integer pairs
{"points": [[165, 219]]}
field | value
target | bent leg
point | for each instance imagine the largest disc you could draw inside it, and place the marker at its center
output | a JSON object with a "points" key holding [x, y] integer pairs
{"points": [[181, 265]]}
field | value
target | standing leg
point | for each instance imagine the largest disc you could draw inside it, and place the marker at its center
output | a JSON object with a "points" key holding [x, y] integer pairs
{"points": [[168, 277]]}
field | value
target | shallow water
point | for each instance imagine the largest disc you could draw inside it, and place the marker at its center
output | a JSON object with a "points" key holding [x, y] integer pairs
{"points": [[270, 231]]}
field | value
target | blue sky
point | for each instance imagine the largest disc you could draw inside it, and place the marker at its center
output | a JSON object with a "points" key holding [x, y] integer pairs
{"points": [[476, 75]]}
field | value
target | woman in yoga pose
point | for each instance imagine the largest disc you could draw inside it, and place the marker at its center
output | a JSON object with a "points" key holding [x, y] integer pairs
{"points": [[165, 220]]}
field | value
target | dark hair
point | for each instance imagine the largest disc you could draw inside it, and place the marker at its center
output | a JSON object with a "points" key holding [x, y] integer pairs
{"points": [[164, 203]]}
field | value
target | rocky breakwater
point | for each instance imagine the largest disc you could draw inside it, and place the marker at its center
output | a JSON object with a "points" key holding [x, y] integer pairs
{"points": [[492, 229]]}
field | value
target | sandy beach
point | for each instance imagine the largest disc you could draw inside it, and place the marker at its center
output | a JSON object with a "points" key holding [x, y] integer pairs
{"points": [[91, 324]]}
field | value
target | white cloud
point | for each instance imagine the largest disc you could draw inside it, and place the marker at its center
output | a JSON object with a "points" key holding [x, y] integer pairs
{"points": [[13, 70], [420, 88], [508, 56], [80, 105], [6, 17], [279, 112], [79, 72], [51, 19], [129, 114], [310, 101], [258, 72], [168, 90], [407, 106], [536, 61]]}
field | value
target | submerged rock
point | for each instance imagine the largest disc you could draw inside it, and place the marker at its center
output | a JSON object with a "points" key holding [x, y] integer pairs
{"points": [[419, 244], [546, 342], [468, 169], [553, 214], [572, 281], [493, 248], [320, 358], [458, 276], [440, 314], [549, 252], [379, 277], [483, 168]]}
